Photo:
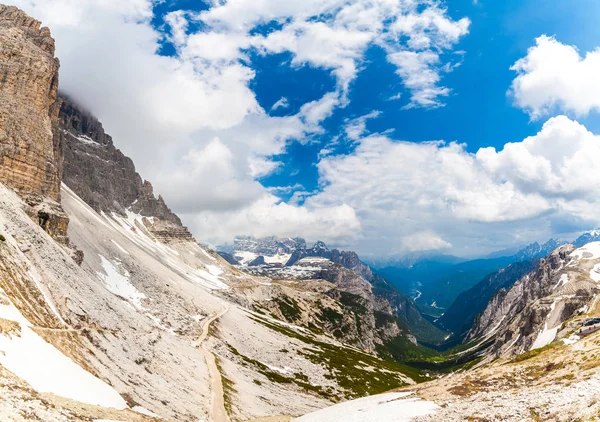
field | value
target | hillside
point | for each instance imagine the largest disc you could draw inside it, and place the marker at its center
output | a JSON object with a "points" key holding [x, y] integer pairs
{"points": [[291, 258]]}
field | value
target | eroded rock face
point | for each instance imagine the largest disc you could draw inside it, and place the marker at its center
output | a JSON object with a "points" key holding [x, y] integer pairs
{"points": [[533, 312], [30, 153], [106, 179]]}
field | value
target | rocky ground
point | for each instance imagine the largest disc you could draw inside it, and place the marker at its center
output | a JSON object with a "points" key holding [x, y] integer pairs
{"points": [[559, 383]]}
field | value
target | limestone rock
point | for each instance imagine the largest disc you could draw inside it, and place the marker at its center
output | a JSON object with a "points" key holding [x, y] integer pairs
{"points": [[106, 179], [31, 156]]}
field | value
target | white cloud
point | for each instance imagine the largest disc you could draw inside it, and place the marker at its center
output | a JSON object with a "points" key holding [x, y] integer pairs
{"points": [[412, 196], [420, 76], [268, 215], [333, 35], [556, 76], [356, 128], [424, 241], [281, 103], [192, 123], [560, 161]]}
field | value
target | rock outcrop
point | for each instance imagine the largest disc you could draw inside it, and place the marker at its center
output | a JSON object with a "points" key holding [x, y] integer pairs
{"points": [[534, 311], [31, 154], [106, 179], [30, 144]]}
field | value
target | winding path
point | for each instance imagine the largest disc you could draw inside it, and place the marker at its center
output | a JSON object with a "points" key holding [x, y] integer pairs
{"points": [[217, 411]]}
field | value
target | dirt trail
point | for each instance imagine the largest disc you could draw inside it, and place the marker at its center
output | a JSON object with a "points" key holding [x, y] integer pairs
{"points": [[217, 411]]}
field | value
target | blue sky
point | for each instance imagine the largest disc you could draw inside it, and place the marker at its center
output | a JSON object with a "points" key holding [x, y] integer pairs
{"points": [[477, 111], [363, 88]]}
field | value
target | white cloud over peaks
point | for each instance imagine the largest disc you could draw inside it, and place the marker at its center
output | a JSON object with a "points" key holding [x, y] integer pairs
{"points": [[191, 122], [338, 224], [425, 196], [562, 160], [556, 76], [424, 241]]}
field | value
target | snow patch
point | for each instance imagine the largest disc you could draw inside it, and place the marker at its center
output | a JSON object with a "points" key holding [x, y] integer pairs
{"points": [[389, 407], [47, 370], [545, 337], [595, 273], [574, 338], [144, 411], [592, 249], [119, 284], [214, 270], [564, 279], [120, 247]]}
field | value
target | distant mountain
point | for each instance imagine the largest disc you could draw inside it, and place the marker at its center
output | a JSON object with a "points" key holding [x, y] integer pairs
{"points": [[290, 259], [412, 259], [535, 250], [434, 283], [587, 237], [272, 249], [460, 315]]}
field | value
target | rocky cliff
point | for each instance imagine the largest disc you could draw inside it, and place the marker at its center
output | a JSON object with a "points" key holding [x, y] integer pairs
{"points": [[31, 155], [461, 314], [535, 310], [30, 144], [106, 179]]}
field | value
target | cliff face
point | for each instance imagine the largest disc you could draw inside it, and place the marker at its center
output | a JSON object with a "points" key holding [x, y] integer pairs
{"points": [[31, 155], [538, 308], [106, 179], [30, 143]]}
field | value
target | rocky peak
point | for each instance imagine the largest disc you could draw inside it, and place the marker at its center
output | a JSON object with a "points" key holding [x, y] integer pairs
{"points": [[320, 246], [587, 237], [533, 312], [106, 179], [535, 250], [270, 245], [148, 205]]}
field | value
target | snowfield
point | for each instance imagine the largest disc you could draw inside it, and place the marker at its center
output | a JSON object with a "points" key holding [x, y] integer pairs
{"points": [[47, 370], [389, 407], [119, 284], [585, 251]]}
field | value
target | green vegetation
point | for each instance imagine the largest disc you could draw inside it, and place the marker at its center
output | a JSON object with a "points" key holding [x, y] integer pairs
{"points": [[354, 302], [228, 387], [357, 372], [289, 308], [331, 316], [533, 353], [419, 357], [382, 319], [2, 238], [299, 379]]}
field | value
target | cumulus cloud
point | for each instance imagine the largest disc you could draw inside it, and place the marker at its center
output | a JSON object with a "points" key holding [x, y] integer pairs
{"points": [[425, 196], [424, 241], [267, 215], [553, 76], [192, 123], [334, 34]]}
